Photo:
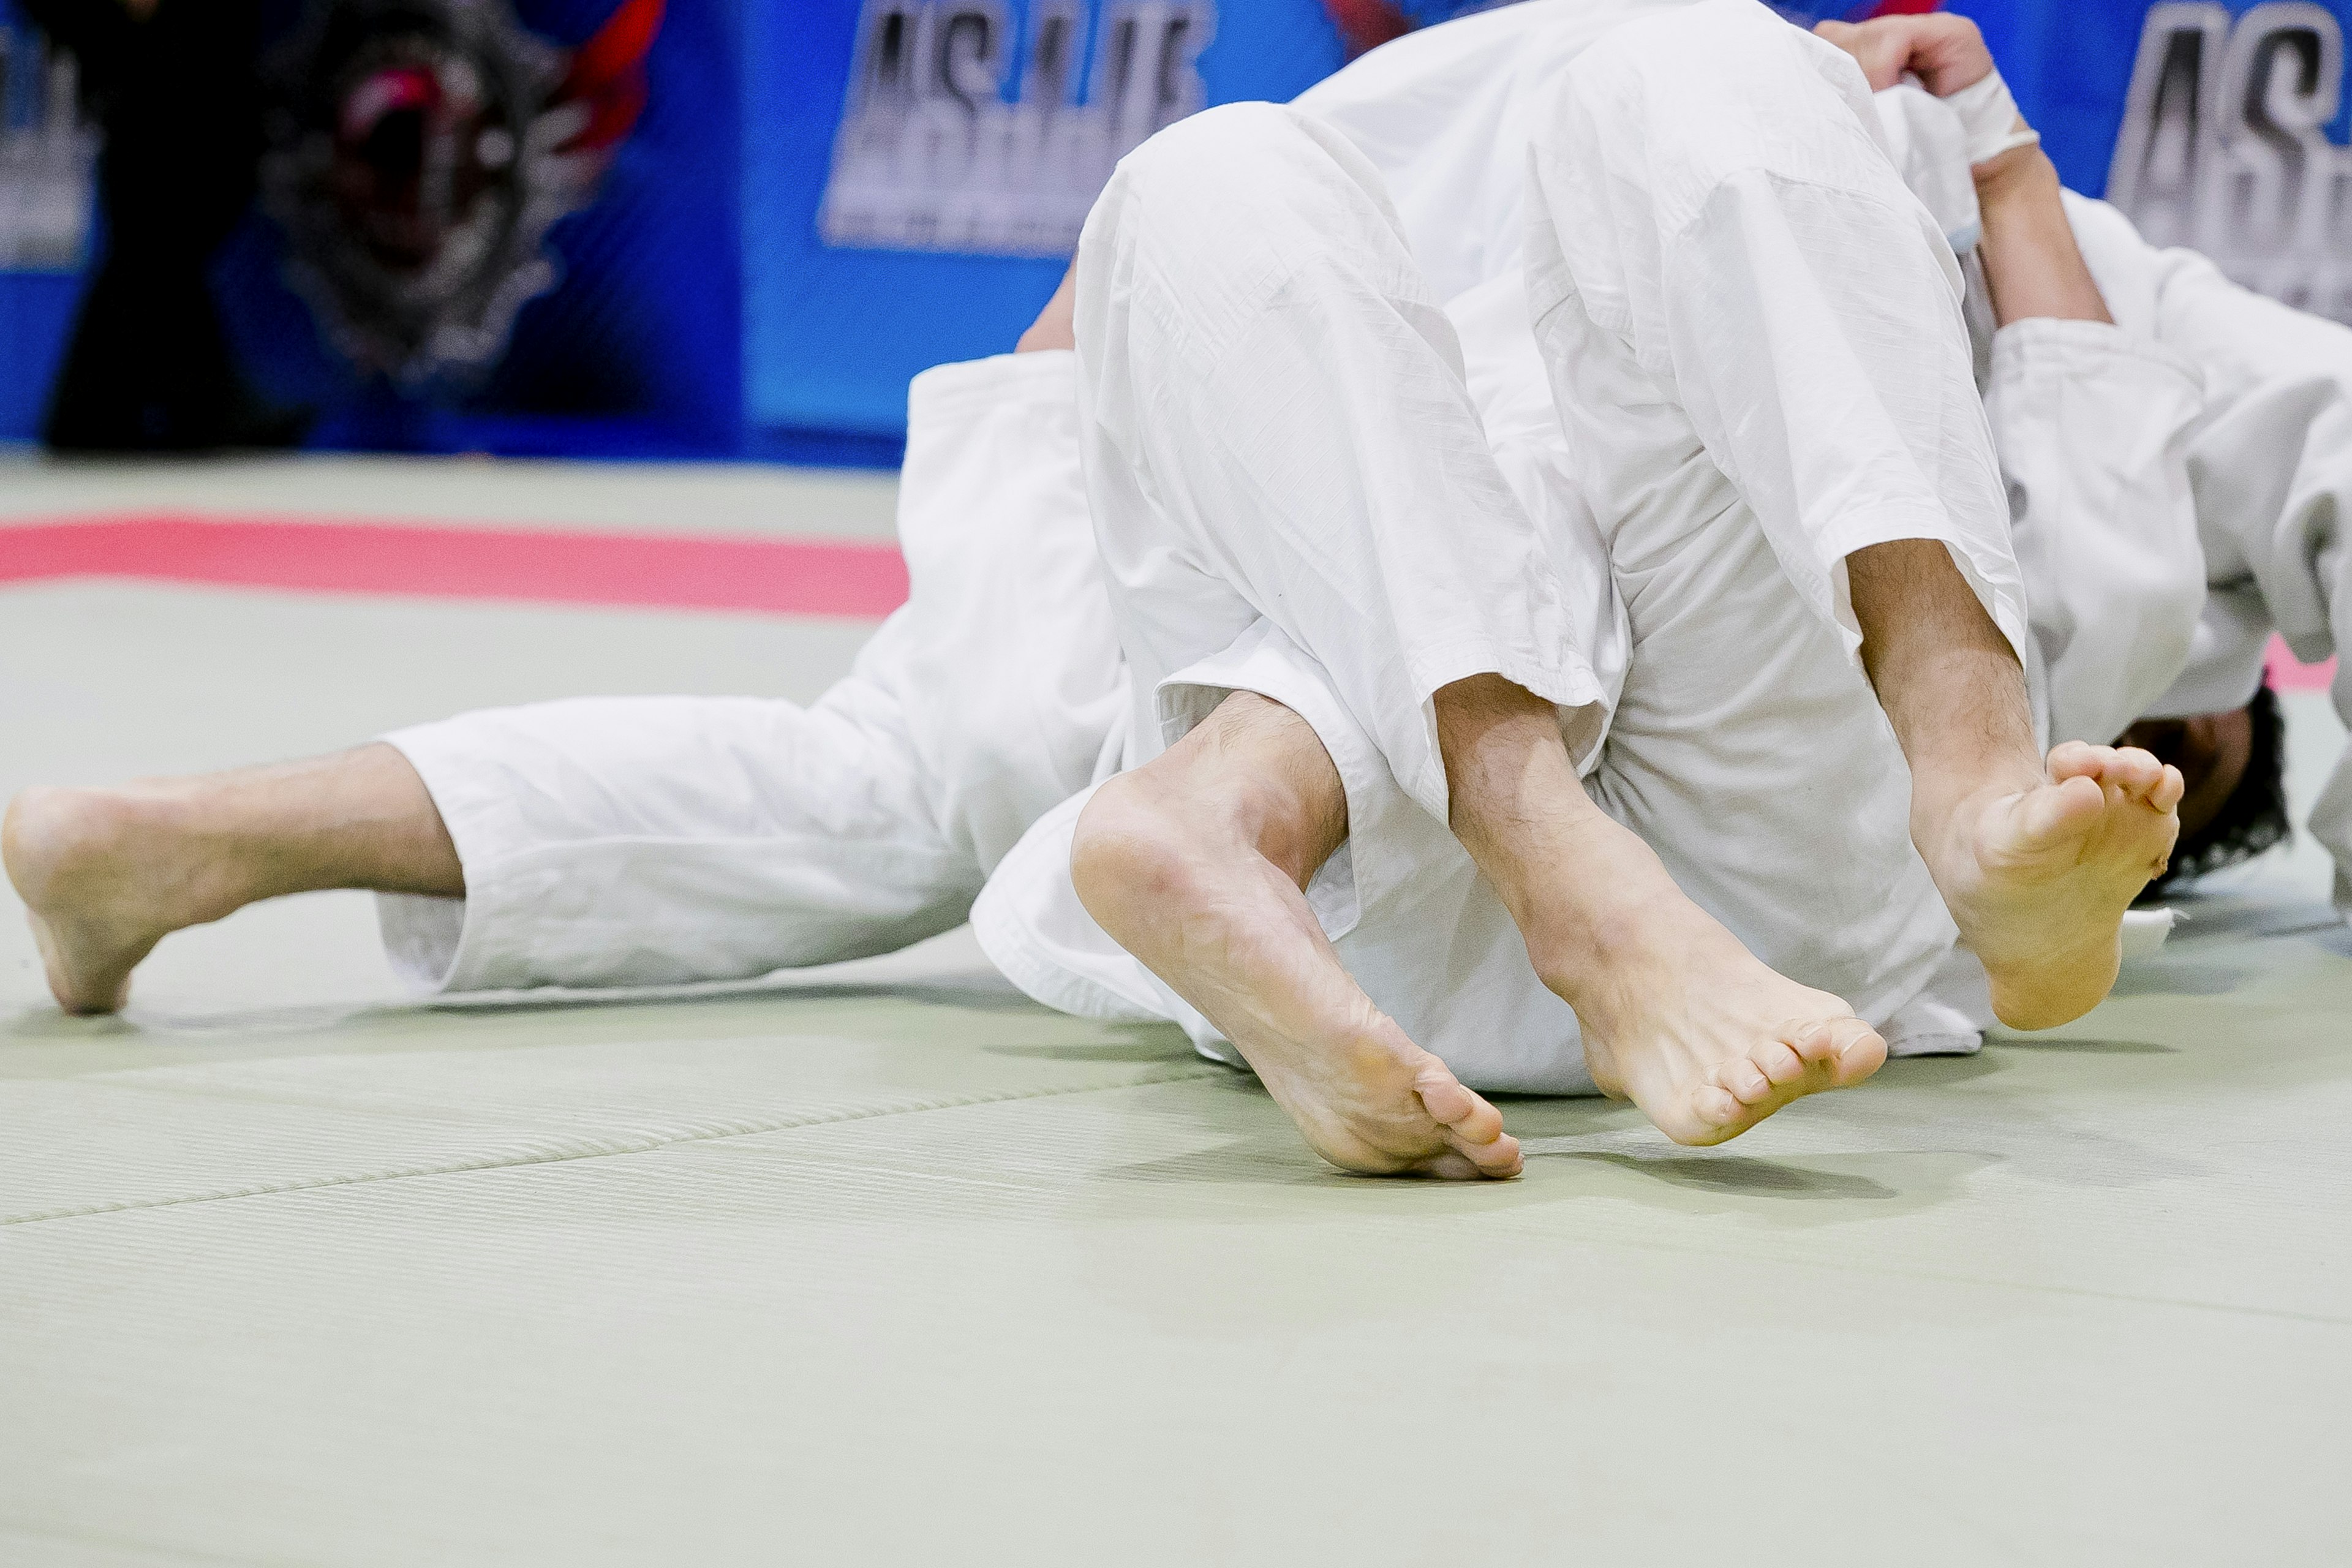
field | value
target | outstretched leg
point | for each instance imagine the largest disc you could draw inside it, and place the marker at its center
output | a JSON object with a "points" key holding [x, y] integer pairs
{"points": [[106, 874], [1196, 863], [1677, 1014], [2037, 860]]}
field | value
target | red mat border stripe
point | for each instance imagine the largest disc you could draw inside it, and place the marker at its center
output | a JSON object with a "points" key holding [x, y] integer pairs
{"points": [[314, 555], [568, 566]]}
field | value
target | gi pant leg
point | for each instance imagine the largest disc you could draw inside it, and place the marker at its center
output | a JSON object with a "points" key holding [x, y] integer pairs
{"points": [[1278, 428], [1760, 365], [643, 841]]}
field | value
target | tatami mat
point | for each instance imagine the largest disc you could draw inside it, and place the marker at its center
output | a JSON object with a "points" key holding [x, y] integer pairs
{"points": [[885, 1265]]}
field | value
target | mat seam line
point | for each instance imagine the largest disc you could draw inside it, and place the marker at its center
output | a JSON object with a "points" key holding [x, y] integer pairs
{"points": [[645, 1146]]}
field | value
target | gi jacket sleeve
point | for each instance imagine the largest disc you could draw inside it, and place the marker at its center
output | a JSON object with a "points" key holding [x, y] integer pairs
{"points": [[2091, 423], [2270, 466]]}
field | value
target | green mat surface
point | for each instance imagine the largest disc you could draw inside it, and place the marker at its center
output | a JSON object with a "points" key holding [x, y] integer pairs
{"points": [[887, 1266]]}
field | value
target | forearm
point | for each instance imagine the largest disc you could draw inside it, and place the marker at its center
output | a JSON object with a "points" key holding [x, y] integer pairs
{"points": [[2031, 264]]}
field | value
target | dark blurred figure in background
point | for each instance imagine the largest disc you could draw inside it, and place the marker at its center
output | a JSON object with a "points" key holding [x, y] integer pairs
{"points": [[176, 87]]}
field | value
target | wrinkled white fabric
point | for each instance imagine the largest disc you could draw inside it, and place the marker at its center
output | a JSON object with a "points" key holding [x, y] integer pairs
{"points": [[1255, 341], [1240, 391], [1928, 146], [2202, 442], [2091, 422], [2270, 466], [1450, 118], [637, 841]]}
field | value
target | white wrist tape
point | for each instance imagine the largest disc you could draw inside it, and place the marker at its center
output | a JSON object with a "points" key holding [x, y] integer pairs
{"points": [[1989, 116]]}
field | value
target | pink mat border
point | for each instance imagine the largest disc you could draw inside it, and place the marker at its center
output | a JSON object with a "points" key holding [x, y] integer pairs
{"points": [[317, 554], [358, 555]]}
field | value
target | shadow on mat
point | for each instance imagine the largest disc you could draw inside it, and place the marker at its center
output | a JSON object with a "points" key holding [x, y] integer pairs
{"points": [[2182, 978], [979, 997], [1738, 1175], [2069, 1046], [1136, 1042]]}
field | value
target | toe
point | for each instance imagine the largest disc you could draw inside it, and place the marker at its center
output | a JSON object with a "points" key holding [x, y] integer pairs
{"points": [[2049, 815], [1448, 1167], [2136, 772], [1482, 1125], [1809, 1041], [1859, 1051], [1496, 1159], [1745, 1081], [1446, 1099], [2075, 760], [2167, 795], [1781, 1062], [1716, 1110]]}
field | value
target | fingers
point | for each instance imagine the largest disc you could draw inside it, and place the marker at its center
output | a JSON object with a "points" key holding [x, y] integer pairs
{"points": [[1946, 52], [1876, 49]]}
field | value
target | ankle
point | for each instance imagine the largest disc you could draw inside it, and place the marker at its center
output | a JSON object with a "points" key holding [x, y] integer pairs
{"points": [[1953, 789], [1609, 924]]}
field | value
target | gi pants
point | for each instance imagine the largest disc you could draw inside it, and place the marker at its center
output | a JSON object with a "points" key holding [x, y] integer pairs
{"points": [[1753, 337]]}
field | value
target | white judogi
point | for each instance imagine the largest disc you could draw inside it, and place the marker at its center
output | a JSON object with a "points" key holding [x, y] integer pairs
{"points": [[1295, 488], [631, 843], [645, 841], [2178, 480], [2267, 457]]}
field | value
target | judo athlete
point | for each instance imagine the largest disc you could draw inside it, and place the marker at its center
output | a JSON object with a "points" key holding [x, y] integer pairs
{"points": [[608, 843]]}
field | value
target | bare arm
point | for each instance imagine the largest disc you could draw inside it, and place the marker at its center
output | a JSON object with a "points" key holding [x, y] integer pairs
{"points": [[2031, 264]]}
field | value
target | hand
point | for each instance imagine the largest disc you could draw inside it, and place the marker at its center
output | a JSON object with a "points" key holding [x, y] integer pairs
{"points": [[1945, 52]]}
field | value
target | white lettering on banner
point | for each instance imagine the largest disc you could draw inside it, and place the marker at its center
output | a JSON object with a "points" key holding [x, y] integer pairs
{"points": [[46, 152], [945, 145], [2224, 147]]}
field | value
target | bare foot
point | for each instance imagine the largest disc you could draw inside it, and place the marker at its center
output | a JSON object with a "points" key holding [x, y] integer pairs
{"points": [[104, 877], [1682, 1020], [1676, 1015], [1176, 883], [2039, 880]]}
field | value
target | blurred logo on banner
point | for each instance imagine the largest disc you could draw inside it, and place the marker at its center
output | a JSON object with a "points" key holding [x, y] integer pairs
{"points": [[422, 150], [47, 148], [948, 140], [2225, 147]]}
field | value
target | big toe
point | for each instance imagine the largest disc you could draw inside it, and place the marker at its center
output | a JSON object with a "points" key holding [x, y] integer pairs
{"points": [[1469, 1123], [1847, 1049], [2056, 812]]}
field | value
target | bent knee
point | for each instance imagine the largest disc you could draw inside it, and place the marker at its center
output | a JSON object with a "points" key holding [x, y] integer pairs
{"points": [[1129, 850], [1254, 190], [1698, 93]]}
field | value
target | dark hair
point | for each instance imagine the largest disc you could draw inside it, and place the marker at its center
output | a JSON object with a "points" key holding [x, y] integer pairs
{"points": [[2253, 818]]}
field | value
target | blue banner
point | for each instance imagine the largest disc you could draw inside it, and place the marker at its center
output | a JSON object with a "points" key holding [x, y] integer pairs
{"points": [[915, 172], [605, 226]]}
